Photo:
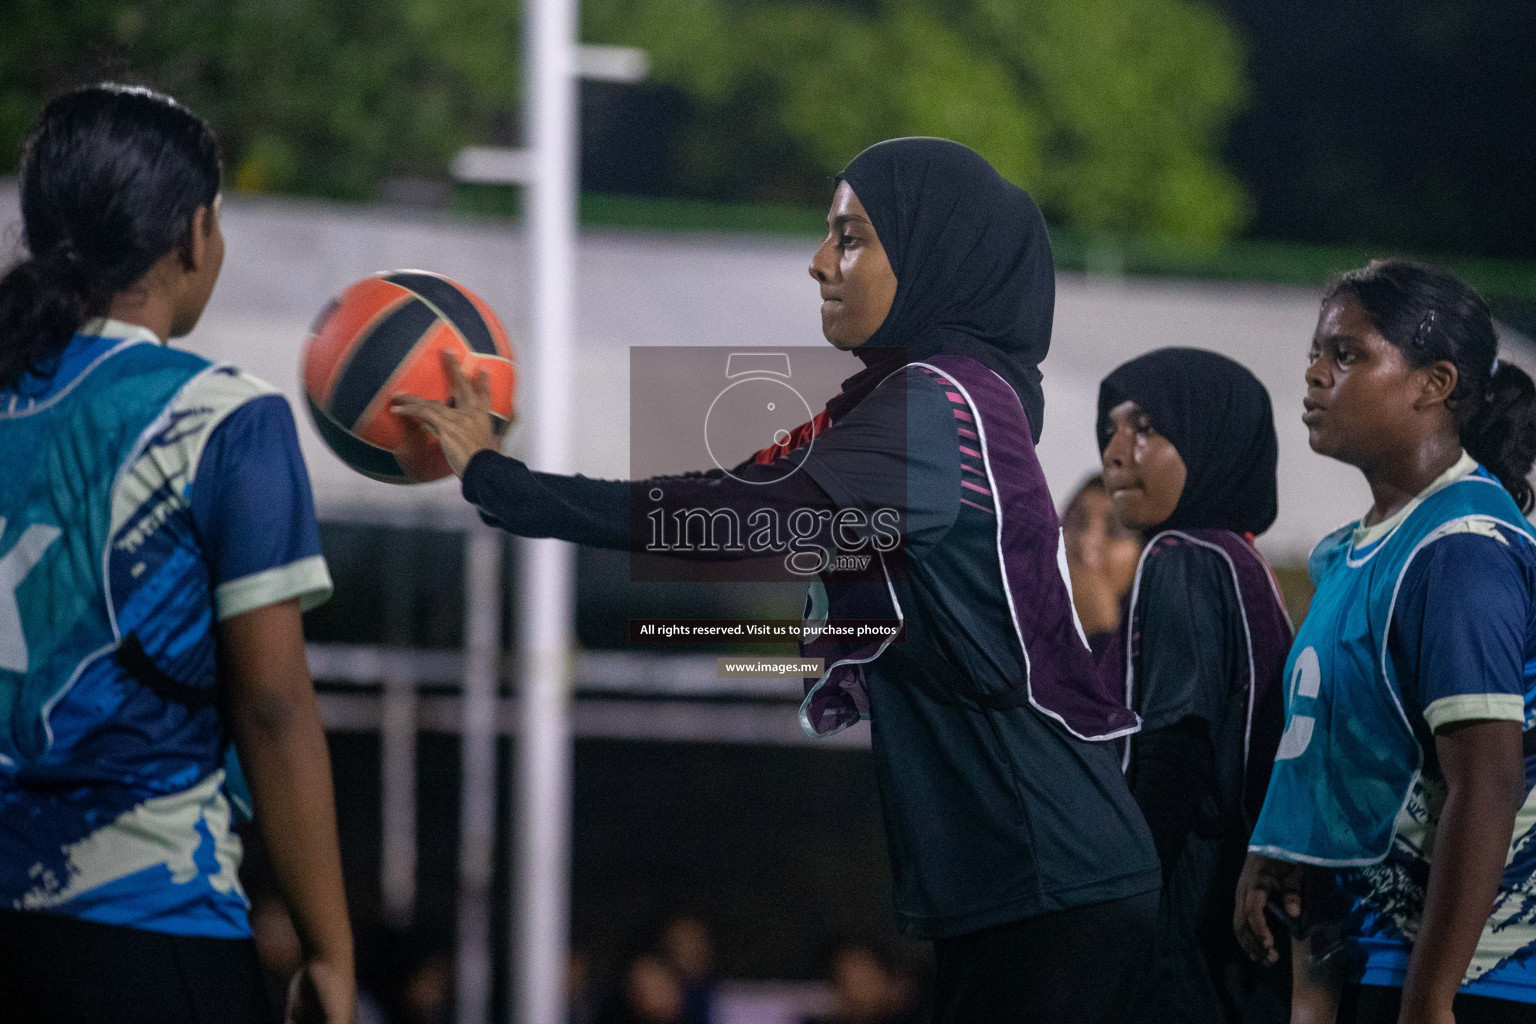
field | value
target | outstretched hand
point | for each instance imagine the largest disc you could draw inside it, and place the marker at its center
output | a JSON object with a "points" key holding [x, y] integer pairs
{"points": [[464, 424]]}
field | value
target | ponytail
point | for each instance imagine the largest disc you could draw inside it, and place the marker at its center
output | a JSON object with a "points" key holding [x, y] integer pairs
{"points": [[38, 315], [110, 179], [1432, 316], [1501, 433]]}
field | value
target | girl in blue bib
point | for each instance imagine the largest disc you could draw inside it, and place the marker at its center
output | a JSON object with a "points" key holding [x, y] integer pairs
{"points": [[1404, 777], [158, 544]]}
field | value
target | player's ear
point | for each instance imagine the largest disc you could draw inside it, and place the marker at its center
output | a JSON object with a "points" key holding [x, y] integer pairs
{"points": [[195, 245], [1439, 383]]}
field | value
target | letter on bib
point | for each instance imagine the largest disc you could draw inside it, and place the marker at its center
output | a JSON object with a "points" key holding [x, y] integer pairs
{"points": [[1306, 683]]}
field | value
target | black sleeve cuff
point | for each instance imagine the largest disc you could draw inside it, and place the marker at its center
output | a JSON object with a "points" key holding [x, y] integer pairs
{"points": [[513, 497], [471, 487]]}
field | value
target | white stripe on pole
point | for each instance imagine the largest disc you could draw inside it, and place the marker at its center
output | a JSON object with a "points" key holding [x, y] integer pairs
{"points": [[397, 826], [397, 754], [477, 804], [491, 165], [542, 759], [623, 64], [542, 756]]}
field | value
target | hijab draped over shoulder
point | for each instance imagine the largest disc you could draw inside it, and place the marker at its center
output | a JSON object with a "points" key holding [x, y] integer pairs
{"points": [[1217, 415], [972, 259]]}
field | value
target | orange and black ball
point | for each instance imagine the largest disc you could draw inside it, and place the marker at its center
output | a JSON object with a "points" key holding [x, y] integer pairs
{"points": [[385, 336]]}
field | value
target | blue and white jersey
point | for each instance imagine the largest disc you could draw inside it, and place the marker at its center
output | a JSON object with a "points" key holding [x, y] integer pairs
{"points": [[148, 495], [1421, 621]]}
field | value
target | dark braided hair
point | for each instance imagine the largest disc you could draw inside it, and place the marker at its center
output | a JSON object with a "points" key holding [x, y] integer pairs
{"points": [[1431, 316], [110, 179]]}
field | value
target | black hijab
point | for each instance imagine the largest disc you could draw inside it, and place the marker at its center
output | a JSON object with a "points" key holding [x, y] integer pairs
{"points": [[1218, 416], [973, 267]]}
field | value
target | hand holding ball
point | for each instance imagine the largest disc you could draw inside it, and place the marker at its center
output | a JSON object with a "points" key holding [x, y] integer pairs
{"points": [[462, 426], [419, 335]]}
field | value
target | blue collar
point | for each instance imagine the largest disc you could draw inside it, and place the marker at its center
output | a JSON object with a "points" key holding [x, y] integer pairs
{"points": [[90, 345]]}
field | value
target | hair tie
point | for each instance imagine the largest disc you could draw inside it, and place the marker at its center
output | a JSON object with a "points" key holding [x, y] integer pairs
{"points": [[1495, 367], [66, 268], [62, 255]]}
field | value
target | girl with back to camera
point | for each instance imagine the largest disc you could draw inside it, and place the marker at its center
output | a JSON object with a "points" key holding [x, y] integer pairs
{"points": [[157, 543], [1014, 842], [1189, 449], [1407, 762]]}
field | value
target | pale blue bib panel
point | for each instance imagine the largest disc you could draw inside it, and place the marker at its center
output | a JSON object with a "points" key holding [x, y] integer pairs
{"points": [[1349, 758], [63, 457], [114, 570]]}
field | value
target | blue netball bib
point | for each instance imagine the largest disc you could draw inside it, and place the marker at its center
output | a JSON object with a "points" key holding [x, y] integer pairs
{"points": [[63, 452], [1349, 759], [147, 494]]}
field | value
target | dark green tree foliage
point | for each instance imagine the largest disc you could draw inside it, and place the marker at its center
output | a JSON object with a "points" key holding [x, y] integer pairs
{"points": [[325, 97], [1111, 112]]}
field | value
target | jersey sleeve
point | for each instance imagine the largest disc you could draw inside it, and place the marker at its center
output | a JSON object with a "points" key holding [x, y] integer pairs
{"points": [[1460, 623], [1186, 603], [899, 449], [254, 513]]}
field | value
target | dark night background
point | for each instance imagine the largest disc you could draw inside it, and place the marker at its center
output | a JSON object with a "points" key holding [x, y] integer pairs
{"points": [[1391, 124]]}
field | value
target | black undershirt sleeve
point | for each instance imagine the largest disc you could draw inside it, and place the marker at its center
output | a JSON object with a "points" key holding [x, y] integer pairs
{"points": [[598, 513], [1187, 599], [1174, 765], [897, 449]]}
